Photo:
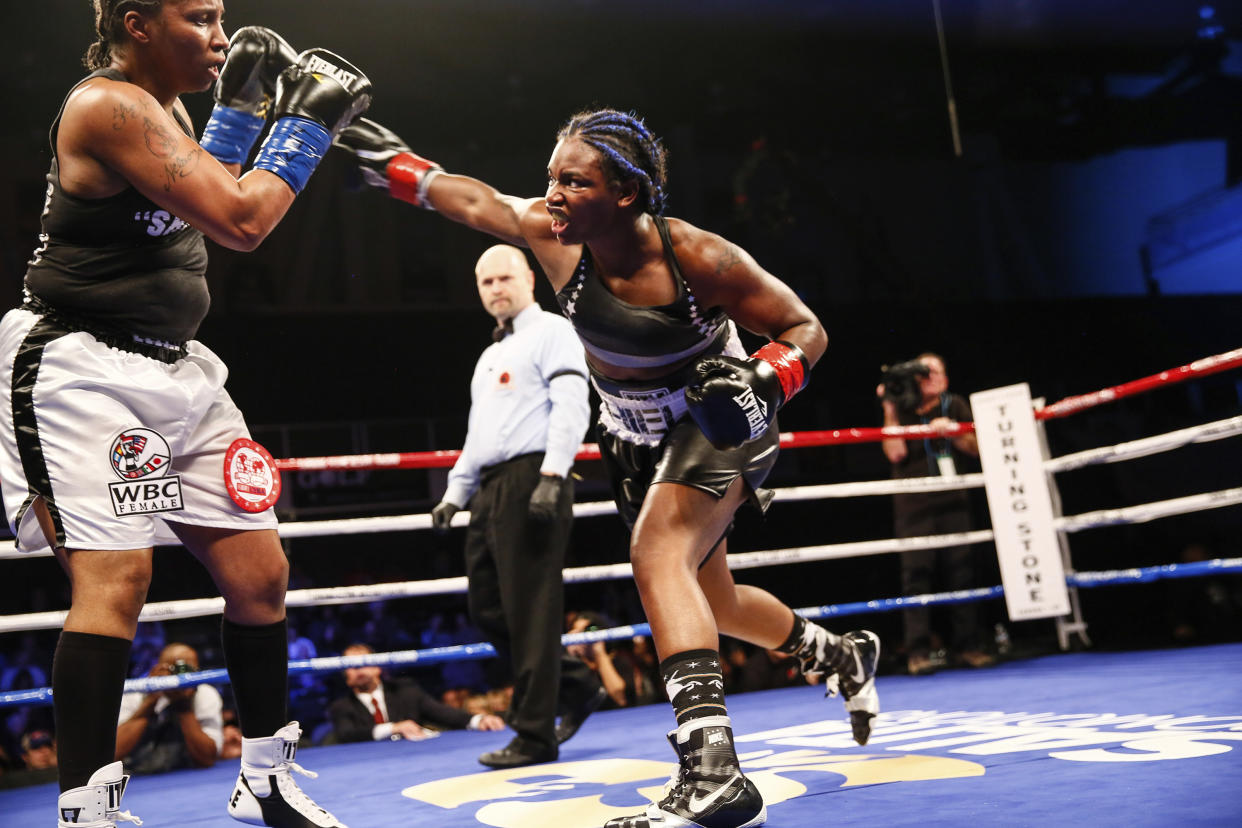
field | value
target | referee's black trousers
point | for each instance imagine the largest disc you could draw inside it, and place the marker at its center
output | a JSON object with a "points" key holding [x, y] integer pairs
{"points": [[516, 594]]}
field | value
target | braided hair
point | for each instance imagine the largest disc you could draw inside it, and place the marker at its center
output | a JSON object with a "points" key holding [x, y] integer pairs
{"points": [[628, 151], [110, 28]]}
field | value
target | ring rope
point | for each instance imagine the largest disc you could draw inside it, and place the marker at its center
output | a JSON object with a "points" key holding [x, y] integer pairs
{"points": [[1108, 454], [803, 439], [1141, 513], [465, 652]]}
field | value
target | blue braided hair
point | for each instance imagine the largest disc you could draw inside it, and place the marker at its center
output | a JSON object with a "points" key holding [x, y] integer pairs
{"points": [[628, 151]]}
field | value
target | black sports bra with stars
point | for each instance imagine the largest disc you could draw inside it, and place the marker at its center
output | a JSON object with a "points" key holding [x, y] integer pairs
{"points": [[637, 336]]}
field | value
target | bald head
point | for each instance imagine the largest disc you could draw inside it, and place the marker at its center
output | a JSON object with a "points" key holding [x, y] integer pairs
{"points": [[505, 281]]}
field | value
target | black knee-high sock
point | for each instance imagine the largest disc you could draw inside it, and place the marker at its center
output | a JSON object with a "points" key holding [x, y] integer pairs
{"points": [[88, 678], [257, 659], [695, 684]]}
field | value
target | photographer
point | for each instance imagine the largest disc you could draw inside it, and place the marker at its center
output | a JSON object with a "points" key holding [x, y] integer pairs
{"points": [[917, 393], [171, 729]]}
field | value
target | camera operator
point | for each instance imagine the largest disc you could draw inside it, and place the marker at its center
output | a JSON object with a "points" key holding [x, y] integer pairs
{"points": [[917, 393], [171, 729]]}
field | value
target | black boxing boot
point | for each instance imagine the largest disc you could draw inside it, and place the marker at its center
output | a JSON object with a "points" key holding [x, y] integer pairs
{"points": [[708, 789], [847, 663]]}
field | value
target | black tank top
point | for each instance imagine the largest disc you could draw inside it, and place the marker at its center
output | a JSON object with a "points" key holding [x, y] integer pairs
{"points": [[635, 336], [122, 262]]}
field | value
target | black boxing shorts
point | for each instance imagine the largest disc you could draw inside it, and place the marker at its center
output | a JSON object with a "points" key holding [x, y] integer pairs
{"points": [[685, 456]]}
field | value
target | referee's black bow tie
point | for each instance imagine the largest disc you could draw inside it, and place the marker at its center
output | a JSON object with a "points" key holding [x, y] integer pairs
{"points": [[502, 330]]}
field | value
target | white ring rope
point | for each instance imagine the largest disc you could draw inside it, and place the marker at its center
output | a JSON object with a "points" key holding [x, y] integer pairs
{"points": [[741, 560], [1108, 454]]}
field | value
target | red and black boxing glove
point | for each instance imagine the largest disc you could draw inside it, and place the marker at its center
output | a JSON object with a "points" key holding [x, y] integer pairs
{"points": [[734, 400], [384, 161]]}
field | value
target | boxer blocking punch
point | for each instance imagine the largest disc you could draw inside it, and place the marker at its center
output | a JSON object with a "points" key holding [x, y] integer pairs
{"points": [[687, 425], [244, 92], [105, 389]]}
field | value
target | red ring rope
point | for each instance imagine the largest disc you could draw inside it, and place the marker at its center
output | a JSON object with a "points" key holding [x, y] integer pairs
{"points": [[802, 439]]}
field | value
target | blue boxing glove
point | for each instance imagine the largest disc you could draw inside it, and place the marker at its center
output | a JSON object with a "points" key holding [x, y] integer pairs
{"points": [[244, 92], [316, 98], [735, 400]]}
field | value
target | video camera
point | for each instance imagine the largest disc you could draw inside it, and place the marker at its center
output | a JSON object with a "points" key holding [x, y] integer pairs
{"points": [[901, 383]]}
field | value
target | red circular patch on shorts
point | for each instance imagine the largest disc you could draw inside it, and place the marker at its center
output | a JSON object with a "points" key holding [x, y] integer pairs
{"points": [[251, 476]]}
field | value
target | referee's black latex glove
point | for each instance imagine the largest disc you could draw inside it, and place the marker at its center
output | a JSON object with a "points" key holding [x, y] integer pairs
{"points": [[546, 497], [442, 516]]}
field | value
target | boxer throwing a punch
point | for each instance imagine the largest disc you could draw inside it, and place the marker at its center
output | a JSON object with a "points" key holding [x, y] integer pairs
{"points": [[687, 419], [117, 424]]}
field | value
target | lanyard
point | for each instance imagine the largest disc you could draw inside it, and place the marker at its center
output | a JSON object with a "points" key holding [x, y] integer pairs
{"points": [[934, 466]]}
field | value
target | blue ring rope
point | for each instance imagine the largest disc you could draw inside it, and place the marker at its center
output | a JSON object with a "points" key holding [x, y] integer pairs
{"points": [[468, 652]]}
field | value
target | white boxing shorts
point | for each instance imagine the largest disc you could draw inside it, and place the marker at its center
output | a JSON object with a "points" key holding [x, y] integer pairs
{"points": [[119, 445]]}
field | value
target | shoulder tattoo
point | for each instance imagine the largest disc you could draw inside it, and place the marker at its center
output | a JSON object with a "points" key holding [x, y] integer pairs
{"points": [[730, 257], [122, 114]]}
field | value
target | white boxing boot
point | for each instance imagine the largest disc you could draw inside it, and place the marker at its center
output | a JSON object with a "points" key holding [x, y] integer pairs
{"points": [[97, 804], [265, 793]]}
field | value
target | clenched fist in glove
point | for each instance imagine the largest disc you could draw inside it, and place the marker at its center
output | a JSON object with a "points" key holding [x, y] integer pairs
{"points": [[386, 162], [734, 400], [316, 98], [244, 92]]}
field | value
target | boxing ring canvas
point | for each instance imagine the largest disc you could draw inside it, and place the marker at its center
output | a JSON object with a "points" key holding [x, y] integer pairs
{"points": [[1148, 738]]}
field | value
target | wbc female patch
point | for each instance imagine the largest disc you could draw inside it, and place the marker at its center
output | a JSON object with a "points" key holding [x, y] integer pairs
{"points": [[251, 476], [141, 458]]}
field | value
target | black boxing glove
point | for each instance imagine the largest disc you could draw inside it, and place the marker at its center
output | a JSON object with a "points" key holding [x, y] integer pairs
{"points": [[384, 161], [735, 400], [256, 57], [442, 516], [244, 92], [315, 99]]}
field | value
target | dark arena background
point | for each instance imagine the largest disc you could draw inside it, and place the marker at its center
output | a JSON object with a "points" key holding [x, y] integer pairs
{"points": [[1048, 195]]}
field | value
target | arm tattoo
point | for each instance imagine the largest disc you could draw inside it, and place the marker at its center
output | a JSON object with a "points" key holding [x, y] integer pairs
{"points": [[163, 145], [180, 167], [159, 141], [728, 259]]}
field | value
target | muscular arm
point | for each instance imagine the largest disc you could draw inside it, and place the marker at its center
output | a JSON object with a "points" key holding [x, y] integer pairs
{"points": [[113, 134], [480, 206], [724, 275], [522, 222]]}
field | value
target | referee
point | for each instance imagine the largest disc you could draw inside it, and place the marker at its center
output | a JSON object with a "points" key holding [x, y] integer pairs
{"points": [[529, 412]]}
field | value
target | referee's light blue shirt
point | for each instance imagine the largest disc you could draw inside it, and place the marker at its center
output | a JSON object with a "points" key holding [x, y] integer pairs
{"points": [[529, 394]]}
